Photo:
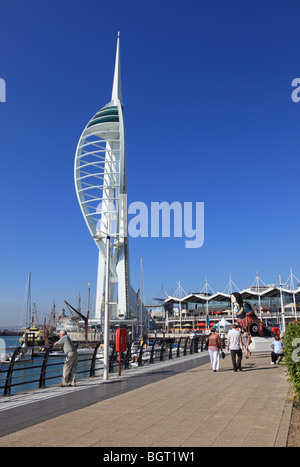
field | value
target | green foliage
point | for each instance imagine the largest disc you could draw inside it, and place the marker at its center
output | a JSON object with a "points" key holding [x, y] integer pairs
{"points": [[292, 353]]}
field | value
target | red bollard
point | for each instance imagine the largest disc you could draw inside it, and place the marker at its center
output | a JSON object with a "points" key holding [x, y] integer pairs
{"points": [[121, 344]]}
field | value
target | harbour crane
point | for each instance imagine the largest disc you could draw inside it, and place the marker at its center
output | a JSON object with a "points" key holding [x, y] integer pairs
{"points": [[84, 318]]}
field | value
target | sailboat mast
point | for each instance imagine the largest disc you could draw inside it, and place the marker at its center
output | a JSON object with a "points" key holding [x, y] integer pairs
{"points": [[141, 299], [89, 298], [28, 305]]}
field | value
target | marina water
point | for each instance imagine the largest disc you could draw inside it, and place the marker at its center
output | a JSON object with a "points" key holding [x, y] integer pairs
{"points": [[9, 343], [30, 370]]}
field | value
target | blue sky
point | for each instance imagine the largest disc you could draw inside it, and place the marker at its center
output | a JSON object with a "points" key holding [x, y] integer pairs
{"points": [[208, 117]]}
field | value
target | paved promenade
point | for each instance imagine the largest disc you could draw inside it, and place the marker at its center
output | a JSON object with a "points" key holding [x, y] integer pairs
{"points": [[177, 404]]}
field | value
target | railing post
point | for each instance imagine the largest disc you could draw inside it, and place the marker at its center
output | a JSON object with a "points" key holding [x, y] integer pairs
{"points": [[198, 341], [128, 355], [43, 369], [152, 352], [170, 350], [112, 359], [192, 346], [93, 362], [178, 348], [161, 358], [185, 346], [7, 389], [140, 359], [202, 342]]}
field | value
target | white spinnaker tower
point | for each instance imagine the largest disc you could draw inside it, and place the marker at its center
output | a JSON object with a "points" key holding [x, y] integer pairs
{"points": [[100, 181]]}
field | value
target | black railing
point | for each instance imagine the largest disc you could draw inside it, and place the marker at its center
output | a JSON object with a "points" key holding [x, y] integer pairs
{"points": [[33, 367], [43, 366]]}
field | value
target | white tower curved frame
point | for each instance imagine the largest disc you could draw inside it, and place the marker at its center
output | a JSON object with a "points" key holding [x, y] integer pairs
{"points": [[101, 187]]}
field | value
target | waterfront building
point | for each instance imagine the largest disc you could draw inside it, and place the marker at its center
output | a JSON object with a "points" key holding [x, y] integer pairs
{"points": [[275, 305]]}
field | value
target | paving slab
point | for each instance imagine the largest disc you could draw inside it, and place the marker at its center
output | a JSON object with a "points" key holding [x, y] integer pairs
{"points": [[176, 404]]}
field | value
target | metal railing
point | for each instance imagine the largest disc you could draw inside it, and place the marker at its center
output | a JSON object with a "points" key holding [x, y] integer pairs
{"points": [[44, 366]]}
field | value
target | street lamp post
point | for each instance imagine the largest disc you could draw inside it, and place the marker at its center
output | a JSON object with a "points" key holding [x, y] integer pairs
{"points": [[116, 244], [106, 312], [282, 307]]}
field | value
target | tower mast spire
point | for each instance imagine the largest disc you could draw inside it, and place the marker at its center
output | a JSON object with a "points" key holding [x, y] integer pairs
{"points": [[117, 89]]}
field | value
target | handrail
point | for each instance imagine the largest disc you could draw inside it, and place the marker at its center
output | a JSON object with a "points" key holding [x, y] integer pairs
{"points": [[113, 356], [93, 362], [128, 356], [178, 348], [7, 389], [46, 370], [170, 349], [161, 357], [152, 352], [140, 359], [185, 346]]}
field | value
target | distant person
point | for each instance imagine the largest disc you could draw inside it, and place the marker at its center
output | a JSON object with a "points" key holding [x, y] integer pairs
{"points": [[277, 351], [70, 366], [214, 346], [246, 340], [234, 344]]}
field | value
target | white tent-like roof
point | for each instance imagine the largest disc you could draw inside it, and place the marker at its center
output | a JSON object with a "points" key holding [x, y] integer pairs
{"points": [[247, 294], [220, 297], [226, 325], [171, 300]]}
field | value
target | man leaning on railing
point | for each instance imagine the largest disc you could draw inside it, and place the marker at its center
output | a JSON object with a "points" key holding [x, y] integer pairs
{"points": [[70, 366]]}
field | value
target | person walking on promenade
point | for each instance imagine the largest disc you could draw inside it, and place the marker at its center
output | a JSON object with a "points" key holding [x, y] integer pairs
{"points": [[234, 344], [70, 366], [246, 340], [214, 346]]}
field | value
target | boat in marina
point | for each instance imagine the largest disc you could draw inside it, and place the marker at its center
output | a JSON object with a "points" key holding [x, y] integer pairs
{"points": [[33, 336], [67, 323], [4, 359], [33, 333]]}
